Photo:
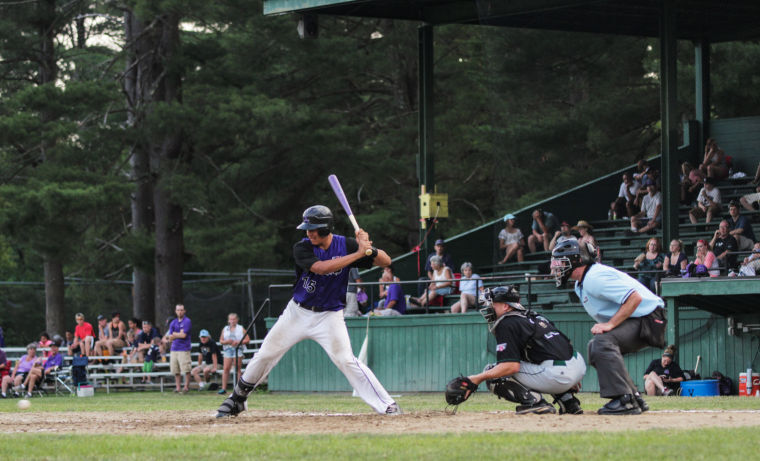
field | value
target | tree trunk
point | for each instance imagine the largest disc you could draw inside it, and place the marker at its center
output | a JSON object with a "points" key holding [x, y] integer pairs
{"points": [[54, 322], [169, 250]]}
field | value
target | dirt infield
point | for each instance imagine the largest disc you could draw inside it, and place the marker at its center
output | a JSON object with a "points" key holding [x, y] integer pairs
{"points": [[253, 422]]}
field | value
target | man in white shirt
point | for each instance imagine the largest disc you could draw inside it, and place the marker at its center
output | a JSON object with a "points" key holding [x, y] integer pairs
{"points": [[650, 215]]}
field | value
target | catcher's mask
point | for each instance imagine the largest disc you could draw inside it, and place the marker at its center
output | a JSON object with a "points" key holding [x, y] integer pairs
{"points": [[568, 255], [507, 294]]}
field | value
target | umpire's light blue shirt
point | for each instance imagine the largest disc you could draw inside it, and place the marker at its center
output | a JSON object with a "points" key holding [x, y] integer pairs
{"points": [[605, 289]]}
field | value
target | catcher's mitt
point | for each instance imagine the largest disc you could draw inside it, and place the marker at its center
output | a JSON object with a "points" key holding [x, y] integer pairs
{"points": [[459, 389]]}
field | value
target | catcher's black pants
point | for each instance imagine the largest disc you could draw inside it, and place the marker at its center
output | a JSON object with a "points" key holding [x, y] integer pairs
{"points": [[605, 352]]}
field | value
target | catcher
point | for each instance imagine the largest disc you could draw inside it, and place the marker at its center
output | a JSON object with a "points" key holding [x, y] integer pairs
{"points": [[533, 356]]}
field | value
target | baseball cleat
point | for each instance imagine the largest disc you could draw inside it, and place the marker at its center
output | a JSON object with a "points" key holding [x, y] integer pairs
{"points": [[541, 407], [231, 407], [571, 406], [623, 405], [393, 410], [640, 402]]}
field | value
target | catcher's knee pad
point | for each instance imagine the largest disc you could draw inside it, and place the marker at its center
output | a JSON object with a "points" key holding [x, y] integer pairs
{"points": [[509, 389]]}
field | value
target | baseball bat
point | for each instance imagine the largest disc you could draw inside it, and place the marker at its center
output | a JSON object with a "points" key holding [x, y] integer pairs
{"points": [[336, 187]]}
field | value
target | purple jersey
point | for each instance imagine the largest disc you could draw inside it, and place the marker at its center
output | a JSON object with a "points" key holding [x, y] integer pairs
{"points": [[327, 292]]}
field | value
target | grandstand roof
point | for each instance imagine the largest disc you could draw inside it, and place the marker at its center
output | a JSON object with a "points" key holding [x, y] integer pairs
{"points": [[715, 21]]}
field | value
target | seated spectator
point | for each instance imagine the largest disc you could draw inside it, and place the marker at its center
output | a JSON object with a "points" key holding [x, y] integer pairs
{"points": [[714, 163], [704, 256], [724, 246], [663, 376], [470, 287], [117, 334], [208, 360], [676, 260], [561, 235], [649, 262], [395, 302], [586, 236], [232, 335], [68, 339], [642, 168], [708, 202], [650, 215], [129, 353], [511, 240], [4, 365], [545, 224], [440, 251], [386, 278], [84, 337], [38, 373], [44, 342], [20, 371], [740, 227], [440, 285], [751, 202], [751, 265], [134, 325], [691, 183], [144, 339], [625, 203], [104, 335]]}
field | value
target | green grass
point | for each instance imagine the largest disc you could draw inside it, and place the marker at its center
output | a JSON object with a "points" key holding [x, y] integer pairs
{"points": [[713, 443]]}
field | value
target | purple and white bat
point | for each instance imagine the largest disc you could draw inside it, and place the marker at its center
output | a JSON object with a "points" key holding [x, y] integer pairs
{"points": [[336, 187]]}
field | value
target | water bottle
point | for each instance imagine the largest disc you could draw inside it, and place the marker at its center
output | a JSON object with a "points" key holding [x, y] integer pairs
{"points": [[749, 381]]}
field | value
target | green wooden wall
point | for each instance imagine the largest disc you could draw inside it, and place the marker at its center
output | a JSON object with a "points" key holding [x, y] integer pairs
{"points": [[418, 353], [739, 138]]}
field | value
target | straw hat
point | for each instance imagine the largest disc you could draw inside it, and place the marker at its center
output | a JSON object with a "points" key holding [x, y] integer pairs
{"points": [[583, 223]]}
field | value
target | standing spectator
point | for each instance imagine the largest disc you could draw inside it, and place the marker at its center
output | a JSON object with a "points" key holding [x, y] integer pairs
{"points": [[470, 287], [691, 183], [52, 363], [208, 360], [440, 251], [675, 261], [561, 235], [543, 228], [441, 283], [724, 246], [44, 342], [232, 335], [714, 162], [152, 355], [84, 337], [708, 202], [179, 335], [511, 240], [751, 202], [144, 339], [395, 303], [625, 203], [352, 305], [649, 262], [23, 366], [740, 227], [651, 211], [706, 257], [663, 376]]}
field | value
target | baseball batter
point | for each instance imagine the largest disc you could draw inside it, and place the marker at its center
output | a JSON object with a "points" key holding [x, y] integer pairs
{"points": [[629, 317], [323, 261], [533, 356]]}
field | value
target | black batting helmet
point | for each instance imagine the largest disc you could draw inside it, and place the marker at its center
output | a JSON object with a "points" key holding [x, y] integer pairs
{"points": [[317, 217]]}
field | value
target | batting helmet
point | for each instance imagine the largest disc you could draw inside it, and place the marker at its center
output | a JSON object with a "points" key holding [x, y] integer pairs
{"points": [[317, 217], [568, 255]]}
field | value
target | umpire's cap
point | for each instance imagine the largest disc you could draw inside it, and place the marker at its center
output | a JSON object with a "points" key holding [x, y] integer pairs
{"points": [[317, 217]]}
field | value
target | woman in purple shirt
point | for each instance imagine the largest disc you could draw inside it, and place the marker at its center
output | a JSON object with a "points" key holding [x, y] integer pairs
{"points": [[22, 368], [53, 362]]}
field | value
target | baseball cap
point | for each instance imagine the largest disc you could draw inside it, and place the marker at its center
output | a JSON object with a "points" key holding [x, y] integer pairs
{"points": [[565, 223], [204, 334], [101, 317], [509, 216], [439, 242]]}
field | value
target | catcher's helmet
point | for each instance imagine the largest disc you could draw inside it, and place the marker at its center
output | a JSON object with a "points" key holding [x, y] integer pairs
{"points": [[568, 255], [317, 217], [506, 294]]}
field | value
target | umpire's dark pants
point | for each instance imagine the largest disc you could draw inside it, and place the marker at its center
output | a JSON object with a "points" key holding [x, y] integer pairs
{"points": [[605, 352]]}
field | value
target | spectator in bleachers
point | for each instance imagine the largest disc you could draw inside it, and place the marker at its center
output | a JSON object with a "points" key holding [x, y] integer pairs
{"points": [[649, 262], [511, 240], [586, 236], [386, 278], [440, 251], [44, 342], [545, 224], [642, 169], [751, 202], [562, 235], [117, 334], [751, 265], [676, 260], [714, 163], [651, 210], [179, 335], [84, 337], [440, 284], [68, 339], [208, 359], [625, 203], [740, 227], [232, 335], [133, 325], [470, 286], [395, 302], [724, 246], [129, 356], [104, 335], [39, 372], [708, 202], [691, 182], [706, 257], [144, 339], [22, 368]]}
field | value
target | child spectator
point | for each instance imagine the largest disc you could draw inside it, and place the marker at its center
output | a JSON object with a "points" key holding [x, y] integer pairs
{"points": [[708, 202], [232, 335], [740, 227], [545, 224], [511, 240], [151, 357], [208, 360], [44, 342]]}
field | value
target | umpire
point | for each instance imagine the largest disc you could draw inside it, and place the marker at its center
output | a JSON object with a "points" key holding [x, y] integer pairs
{"points": [[629, 317], [533, 356]]}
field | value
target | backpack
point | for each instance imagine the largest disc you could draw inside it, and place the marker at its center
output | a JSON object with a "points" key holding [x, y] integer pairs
{"points": [[725, 384], [79, 370], [696, 270]]}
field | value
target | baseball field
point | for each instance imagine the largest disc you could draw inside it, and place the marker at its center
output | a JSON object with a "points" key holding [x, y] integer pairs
{"points": [[151, 425]]}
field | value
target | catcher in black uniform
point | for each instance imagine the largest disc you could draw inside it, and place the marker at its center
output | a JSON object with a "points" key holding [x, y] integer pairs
{"points": [[533, 357]]}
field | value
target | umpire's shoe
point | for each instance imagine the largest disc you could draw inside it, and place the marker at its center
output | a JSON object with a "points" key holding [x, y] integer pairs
{"points": [[541, 407], [623, 405], [231, 407]]}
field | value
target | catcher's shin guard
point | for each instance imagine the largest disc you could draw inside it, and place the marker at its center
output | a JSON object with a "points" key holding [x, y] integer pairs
{"points": [[236, 402], [510, 389], [568, 404]]}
